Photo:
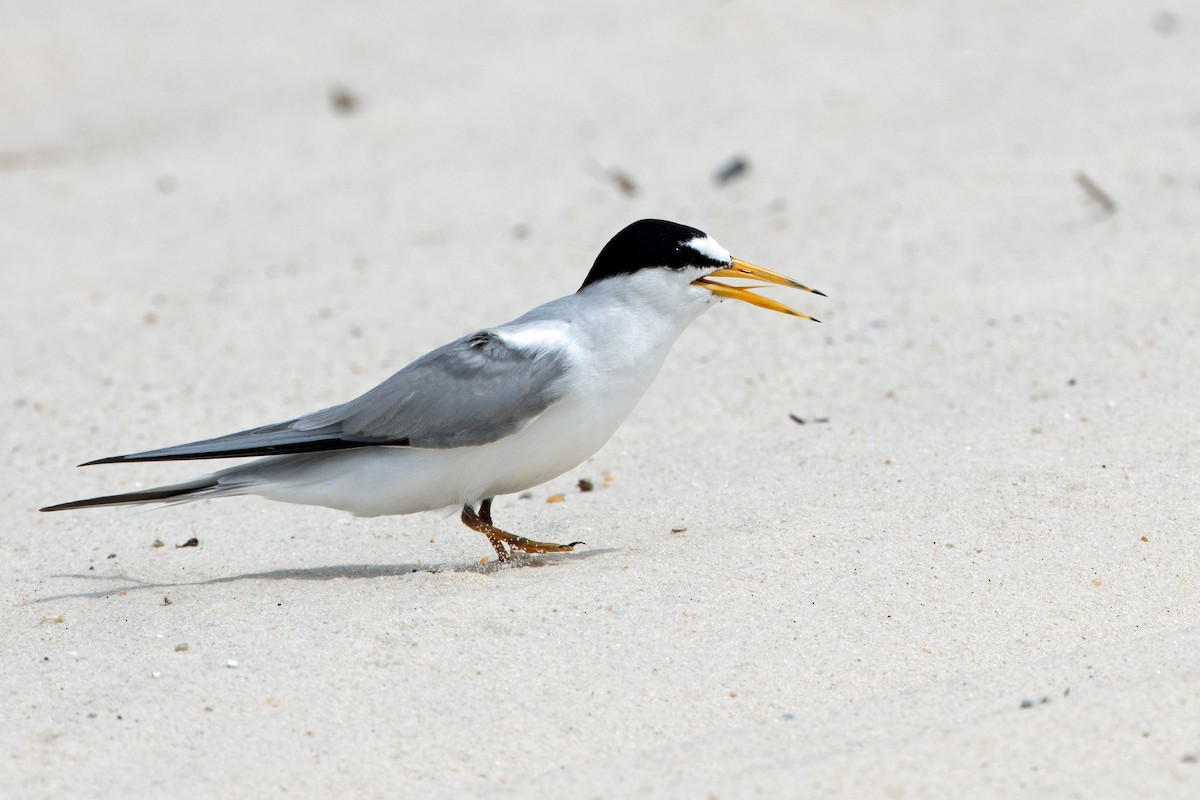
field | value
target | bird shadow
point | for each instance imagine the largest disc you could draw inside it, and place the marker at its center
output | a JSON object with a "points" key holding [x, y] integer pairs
{"points": [[128, 583]]}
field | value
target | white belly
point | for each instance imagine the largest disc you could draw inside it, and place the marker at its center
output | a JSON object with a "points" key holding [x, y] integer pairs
{"points": [[375, 481]]}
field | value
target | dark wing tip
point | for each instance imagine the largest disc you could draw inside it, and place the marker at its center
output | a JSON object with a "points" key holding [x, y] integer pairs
{"points": [[65, 506], [253, 451], [158, 494], [108, 460]]}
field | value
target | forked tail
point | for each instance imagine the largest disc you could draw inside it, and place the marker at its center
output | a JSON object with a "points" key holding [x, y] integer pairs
{"points": [[195, 489]]}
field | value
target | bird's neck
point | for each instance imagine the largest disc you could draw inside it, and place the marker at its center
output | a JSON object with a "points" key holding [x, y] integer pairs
{"points": [[647, 306], [629, 329]]}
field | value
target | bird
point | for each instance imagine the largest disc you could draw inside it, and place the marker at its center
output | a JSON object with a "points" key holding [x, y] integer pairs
{"points": [[495, 412]]}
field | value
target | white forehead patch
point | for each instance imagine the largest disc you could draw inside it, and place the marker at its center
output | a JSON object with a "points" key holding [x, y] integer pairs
{"points": [[708, 247]]}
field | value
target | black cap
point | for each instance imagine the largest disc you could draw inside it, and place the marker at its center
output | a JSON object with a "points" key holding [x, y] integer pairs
{"points": [[649, 243]]}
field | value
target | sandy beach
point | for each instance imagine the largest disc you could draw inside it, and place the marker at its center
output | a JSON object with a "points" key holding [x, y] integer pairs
{"points": [[944, 544]]}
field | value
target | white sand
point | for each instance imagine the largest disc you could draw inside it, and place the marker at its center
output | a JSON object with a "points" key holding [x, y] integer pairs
{"points": [[1000, 512]]}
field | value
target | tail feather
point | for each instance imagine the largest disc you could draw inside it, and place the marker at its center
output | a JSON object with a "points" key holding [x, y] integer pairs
{"points": [[175, 493]]}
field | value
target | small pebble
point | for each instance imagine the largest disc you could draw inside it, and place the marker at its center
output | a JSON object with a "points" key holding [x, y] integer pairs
{"points": [[624, 182], [231, 663], [735, 167], [343, 101]]}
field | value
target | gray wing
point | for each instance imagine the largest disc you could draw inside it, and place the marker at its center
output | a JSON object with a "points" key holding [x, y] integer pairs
{"points": [[472, 391]]}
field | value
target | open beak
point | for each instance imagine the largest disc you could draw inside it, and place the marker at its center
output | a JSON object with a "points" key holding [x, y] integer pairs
{"points": [[744, 269]]}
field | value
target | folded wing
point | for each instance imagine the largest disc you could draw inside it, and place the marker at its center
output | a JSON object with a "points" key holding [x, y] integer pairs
{"points": [[472, 391]]}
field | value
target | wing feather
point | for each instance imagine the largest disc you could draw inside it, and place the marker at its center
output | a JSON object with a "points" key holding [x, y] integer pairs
{"points": [[475, 390]]}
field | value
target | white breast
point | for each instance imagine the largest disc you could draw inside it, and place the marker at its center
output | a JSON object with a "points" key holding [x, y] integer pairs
{"points": [[616, 336]]}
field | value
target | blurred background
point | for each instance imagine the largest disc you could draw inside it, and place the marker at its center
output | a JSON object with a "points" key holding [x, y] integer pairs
{"points": [[166, 164], [375, 178], [980, 465]]}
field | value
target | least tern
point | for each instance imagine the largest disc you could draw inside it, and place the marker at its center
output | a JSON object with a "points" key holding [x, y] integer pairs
{"points": [[498, 411]]}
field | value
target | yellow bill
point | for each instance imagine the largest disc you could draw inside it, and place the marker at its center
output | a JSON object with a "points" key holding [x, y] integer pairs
{"points": [[744, 269]]}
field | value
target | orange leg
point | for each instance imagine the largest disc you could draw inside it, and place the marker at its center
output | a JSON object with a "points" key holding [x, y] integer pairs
{"points": [[482, 521]]}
